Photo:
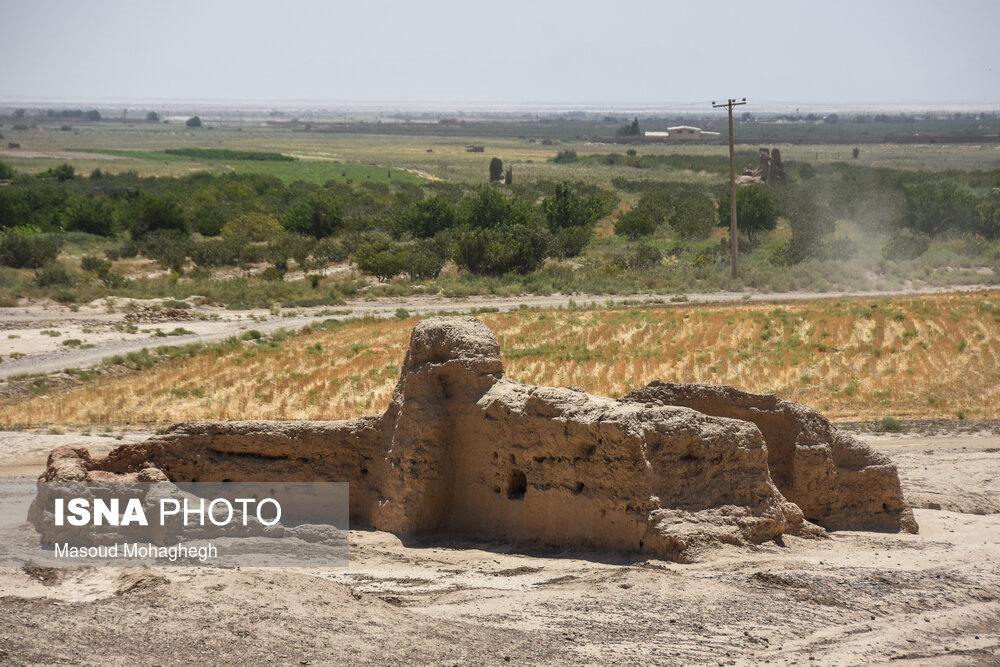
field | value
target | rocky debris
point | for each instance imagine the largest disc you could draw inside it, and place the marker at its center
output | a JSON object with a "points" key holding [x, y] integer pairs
{"points": [[155, 314], [464, 450], [837, 480]]}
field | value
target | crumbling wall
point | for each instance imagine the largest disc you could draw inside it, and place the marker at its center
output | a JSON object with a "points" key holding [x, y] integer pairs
{"points": [[464, 450], [837, 480]]}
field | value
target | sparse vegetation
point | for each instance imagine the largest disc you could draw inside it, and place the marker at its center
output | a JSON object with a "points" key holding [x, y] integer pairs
{"points": [[853, 358]]}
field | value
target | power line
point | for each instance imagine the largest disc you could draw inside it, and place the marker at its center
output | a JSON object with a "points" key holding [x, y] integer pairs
{"points": [[732, 185]]}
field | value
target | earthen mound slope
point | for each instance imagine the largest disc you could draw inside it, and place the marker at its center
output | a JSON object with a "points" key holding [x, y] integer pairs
{"points": [[464, 450]]}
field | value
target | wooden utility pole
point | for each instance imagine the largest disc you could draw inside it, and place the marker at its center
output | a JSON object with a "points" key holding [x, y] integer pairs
{"points": [[732, 185]]}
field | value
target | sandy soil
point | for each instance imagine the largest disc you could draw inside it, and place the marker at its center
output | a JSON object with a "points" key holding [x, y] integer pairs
{"points": [[21, 327], [853, 598]]}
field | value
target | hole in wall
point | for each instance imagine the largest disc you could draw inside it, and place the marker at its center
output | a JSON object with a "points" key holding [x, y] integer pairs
{"points": [[517, 484]]}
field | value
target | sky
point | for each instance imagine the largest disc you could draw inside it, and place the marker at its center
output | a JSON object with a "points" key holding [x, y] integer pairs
{"points": [[505, 52]]}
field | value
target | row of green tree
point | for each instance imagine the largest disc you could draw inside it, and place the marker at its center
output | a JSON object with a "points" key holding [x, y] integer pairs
{"points": [[238, 220]]}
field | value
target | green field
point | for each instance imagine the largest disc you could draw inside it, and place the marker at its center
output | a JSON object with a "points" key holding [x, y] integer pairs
{"points": [[442, 157]]}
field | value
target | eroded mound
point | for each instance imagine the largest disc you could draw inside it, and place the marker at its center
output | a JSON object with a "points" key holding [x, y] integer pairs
{"points": [[464, 450]]}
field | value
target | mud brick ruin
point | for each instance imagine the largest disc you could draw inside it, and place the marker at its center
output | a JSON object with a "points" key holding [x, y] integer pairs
{"points": [[668, 470]]}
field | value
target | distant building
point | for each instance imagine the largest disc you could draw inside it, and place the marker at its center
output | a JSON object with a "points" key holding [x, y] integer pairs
{"points": [[684, 133]]}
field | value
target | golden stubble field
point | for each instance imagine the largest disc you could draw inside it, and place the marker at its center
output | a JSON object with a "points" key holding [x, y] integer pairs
{"points": [[920, 357]]}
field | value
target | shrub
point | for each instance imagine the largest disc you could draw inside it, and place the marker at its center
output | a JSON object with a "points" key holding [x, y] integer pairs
{"points": [[570, 241], [273, 274], [95, 265], [169, 248], [644, 257], [54, 275], [693, 215], [904, 244], [889, 425], [635, 223], [28, 250], [840, 249]]}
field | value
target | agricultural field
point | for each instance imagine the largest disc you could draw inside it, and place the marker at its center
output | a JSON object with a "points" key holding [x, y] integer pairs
{"points": [[118, 147], [935, 356]]}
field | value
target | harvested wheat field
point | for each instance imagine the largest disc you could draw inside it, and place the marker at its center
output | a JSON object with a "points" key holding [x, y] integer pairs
{"points": [[928, 356]]}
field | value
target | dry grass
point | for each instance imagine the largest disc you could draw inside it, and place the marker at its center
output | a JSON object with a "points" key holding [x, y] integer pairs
{"points": [[929, 356]]}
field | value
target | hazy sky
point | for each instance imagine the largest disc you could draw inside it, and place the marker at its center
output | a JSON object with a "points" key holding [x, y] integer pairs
{"points": [[639, 52]]}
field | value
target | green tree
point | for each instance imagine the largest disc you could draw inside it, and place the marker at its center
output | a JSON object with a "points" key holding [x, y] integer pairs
{"points": [[317, 215], [64, 172], [496, 251], [153, 117], [378, 256], [756, 210], [988, 211], [159, 213], [93, 215], [565, 208], [693, 215], [570, 219], [193, 122], [167, 247], [421, 259], [635, 223], [934, 208], [428, 217], [809, 222], [491, 207], [253, 227]]}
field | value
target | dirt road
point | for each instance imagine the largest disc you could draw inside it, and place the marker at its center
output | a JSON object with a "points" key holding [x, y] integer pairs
{"points": [[853, 598], [32, 339]]}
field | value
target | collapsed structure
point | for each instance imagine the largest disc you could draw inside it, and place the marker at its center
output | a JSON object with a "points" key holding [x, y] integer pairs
{"points": [[464, 450], [769, 168]]}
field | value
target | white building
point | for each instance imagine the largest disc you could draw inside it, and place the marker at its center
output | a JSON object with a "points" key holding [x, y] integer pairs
{"points": [[684, 133]]}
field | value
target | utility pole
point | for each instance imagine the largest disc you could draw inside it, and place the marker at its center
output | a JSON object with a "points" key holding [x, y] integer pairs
{"points": [[732, 185]]}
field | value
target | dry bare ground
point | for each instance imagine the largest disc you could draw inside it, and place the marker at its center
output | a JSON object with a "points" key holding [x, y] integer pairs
{"points": [[854, 598]]}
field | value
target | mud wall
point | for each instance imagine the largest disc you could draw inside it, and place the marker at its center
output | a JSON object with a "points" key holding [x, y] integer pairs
{"points": [[464, 450]]}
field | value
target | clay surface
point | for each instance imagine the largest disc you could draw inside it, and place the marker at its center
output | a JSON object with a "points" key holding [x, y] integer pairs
{"points": [[464, 450]]}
